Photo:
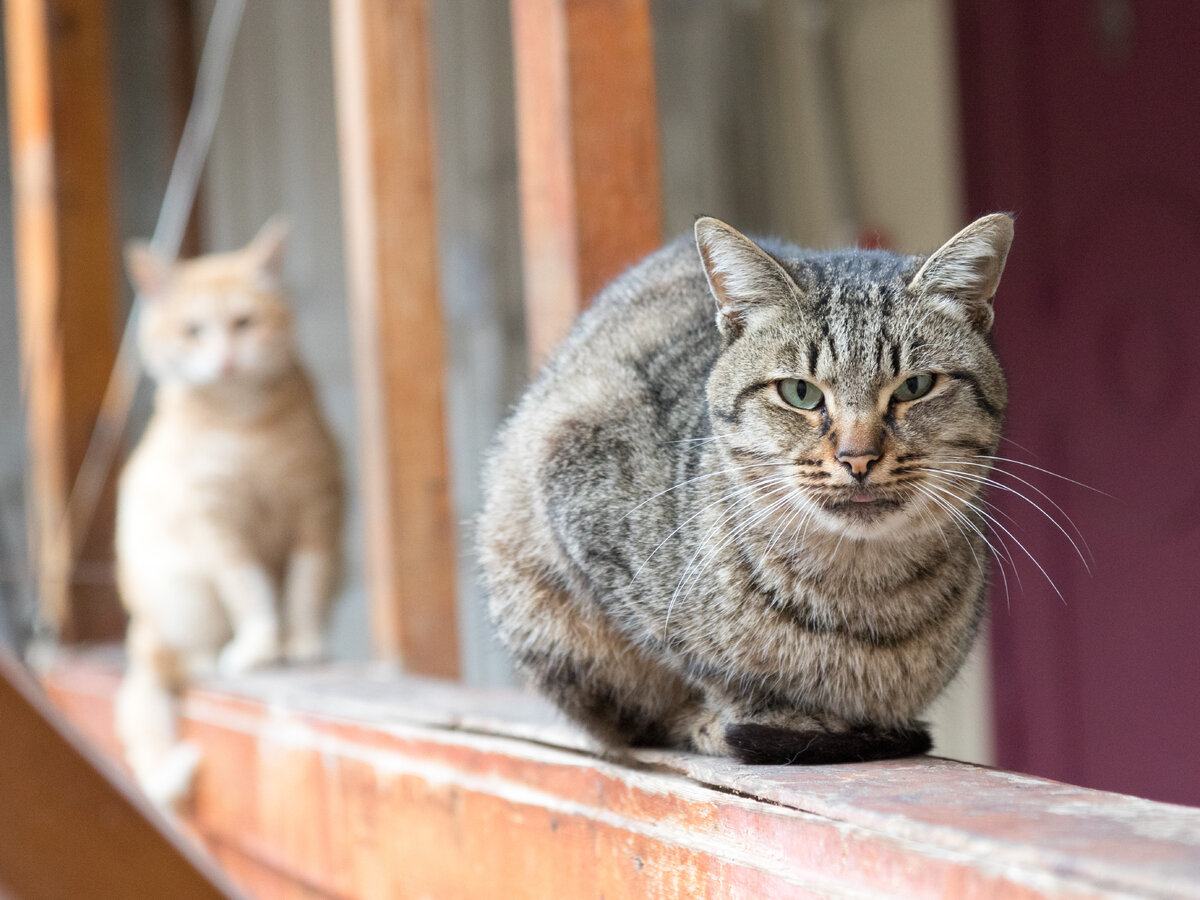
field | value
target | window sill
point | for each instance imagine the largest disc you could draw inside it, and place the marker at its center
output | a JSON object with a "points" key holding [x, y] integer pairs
{"points": [[348, 781]]}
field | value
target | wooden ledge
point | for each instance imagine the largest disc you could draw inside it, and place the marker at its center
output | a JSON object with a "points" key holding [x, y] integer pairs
{"points": [[347, 781]]}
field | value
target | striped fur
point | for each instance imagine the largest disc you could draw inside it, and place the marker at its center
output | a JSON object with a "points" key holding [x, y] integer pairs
{"points": [[674, 554]]}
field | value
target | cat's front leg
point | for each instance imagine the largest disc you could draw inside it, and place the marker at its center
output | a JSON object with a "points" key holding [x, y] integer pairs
{"points": [[307, 591], [249, 597]]}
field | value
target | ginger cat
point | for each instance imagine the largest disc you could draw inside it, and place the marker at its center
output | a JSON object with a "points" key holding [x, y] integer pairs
{"points": [[230, 508]]}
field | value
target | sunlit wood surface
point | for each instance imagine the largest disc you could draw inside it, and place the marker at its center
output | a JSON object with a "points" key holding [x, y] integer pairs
{"points": [[346, 782]]}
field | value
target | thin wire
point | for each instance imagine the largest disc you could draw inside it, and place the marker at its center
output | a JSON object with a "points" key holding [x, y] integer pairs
{"points": [[196, 139], [178, 200]]}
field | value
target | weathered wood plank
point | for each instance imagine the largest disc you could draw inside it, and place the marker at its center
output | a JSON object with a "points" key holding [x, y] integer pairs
{"points": [[67, 288], [67, 829], [381, 60], [587, 132], [350, 782]]}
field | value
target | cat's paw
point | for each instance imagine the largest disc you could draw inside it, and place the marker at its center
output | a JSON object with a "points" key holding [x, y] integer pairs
{"points": [[247, 651], [169, 784], [303, 648], [758, 744]]}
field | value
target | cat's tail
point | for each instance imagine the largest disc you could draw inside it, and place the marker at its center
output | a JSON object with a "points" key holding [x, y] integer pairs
{"points": [[771, 745], [147, 714], [793, 738]]}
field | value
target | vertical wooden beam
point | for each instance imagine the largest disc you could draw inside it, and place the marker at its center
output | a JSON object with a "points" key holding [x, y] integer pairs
{"points": [[67, 286], [587, 133], [381, 61]]}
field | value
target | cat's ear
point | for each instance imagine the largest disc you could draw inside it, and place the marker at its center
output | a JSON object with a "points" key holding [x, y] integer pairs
{"points": [[267, 249], [968, 267], [742, 276], [148, 271]]}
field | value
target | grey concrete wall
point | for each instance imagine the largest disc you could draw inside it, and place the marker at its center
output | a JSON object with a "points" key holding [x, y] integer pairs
{"points": [[479, 242]]}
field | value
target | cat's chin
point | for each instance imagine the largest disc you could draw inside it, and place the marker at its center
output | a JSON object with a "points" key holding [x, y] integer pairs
{"points": [[232, 380], [865, 518]]}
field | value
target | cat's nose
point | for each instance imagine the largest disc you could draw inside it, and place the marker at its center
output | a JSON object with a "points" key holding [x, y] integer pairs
{"points": [[858, 460]]}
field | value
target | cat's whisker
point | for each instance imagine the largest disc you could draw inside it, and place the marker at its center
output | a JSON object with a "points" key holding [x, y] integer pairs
{"points": [[1002, 553], [927, 516], [1019, 446], [773, 483], [1052, 474], [802, 531], [910, 327], [693, 571], [738, 530], [742, 489], [958, 519], [990, 468], [1000, 557], [676, 487], [744, 502], [1024, 549], [784, 525], [699, 440], [950, 499], [834, 551], [981, 479]]}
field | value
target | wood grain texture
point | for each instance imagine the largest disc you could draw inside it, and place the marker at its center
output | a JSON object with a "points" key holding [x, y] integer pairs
{"points": [[381, 61], [346, 782], [60, 127], [587, 134], [67, 829]]}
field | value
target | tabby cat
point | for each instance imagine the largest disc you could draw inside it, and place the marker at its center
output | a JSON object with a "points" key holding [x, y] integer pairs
{"points": [[757, 536], [230, 508]]}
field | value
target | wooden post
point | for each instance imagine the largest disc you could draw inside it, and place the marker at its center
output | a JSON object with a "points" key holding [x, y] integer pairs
{"points": [[381, 62], [587, 133], [67, 288]]}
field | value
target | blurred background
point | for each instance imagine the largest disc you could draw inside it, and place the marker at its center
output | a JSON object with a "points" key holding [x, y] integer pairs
{"points": [[878, 122]]}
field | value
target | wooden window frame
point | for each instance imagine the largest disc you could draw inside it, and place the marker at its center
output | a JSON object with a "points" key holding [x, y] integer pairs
{"points": [[349, 781]]}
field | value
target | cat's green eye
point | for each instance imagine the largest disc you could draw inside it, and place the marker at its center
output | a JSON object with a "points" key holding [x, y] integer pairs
{"points": [[913, 388], [800, 394]]}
